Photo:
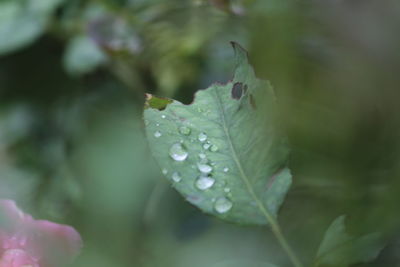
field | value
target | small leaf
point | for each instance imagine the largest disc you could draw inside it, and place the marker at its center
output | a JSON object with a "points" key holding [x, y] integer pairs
{"points": [[22, 22], [340, 249], [82, 56], [242, 263], [229, 155]]}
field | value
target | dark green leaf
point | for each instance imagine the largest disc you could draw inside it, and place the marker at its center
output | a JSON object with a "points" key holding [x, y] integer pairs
{"points": [[243, 263]]}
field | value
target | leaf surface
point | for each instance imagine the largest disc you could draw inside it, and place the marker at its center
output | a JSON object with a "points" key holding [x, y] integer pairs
{"points": [[223, 152], [340, 249]]}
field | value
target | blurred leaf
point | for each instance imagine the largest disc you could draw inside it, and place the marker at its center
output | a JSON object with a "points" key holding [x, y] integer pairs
{"points": [[222, 152], [340, 249], [241, 263], [114, 34], [22, 22], [82, 56]]}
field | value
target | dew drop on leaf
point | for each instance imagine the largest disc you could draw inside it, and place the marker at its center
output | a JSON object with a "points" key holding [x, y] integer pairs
{"points": [[163, 116], [178, 152], [164, 171], [204, 182], [222, 205], [226, 169], [214, 148], [157, 134], [184, 130], [206, 146], [227, 190], [202, 137], [204, 168], [202, 156], [176, 177]]}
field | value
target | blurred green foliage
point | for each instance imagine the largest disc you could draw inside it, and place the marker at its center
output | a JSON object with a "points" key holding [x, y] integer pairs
{"points": [[72, 80]]}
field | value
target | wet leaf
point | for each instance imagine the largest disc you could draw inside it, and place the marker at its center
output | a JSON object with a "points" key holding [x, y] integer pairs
{"points": [[229, 157], [340, 249]]}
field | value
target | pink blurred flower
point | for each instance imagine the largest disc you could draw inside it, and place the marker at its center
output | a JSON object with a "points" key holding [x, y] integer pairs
{"points": [[26, 242]]}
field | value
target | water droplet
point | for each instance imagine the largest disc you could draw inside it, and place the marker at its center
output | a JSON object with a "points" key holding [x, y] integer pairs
{"points": [[184, 130], [163, 116], [178, 152], [157, 134], [202, 137], [226, 169], [204, 168], [164, 171], [222, 205], [214, 148], [206, 146], [157, 124], [202, 156], [227, 190], [204, 182], [194, 199], [176, 177]]}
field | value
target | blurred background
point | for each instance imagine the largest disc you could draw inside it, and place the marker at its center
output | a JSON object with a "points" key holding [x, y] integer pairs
{"points": [[73, 74]]}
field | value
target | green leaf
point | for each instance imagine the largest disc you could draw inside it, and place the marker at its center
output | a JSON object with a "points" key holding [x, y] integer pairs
{"points": [[223, 152], [82, 56], [340, 249], [23, 21], [241, 263]]}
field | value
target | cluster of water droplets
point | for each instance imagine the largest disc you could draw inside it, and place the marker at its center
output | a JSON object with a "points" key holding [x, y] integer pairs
{"points": [[205, 180]]}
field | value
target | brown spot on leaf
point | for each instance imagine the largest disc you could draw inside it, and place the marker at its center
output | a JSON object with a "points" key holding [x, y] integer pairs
{"points": [[159, 103]]}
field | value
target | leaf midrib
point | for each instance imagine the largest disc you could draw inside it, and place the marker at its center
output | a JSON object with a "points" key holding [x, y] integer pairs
{"points": [[243, 175]]}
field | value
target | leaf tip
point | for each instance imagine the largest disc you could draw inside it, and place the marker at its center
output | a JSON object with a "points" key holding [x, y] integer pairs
{"points": [[241, 54]]}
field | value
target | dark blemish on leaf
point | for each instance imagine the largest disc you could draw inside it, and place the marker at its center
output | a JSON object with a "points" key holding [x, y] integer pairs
{"points": [[252, 102], [237, 90]]}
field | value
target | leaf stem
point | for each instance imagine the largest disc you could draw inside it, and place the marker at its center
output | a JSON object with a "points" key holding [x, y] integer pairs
{"points": [[276, 229]]}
